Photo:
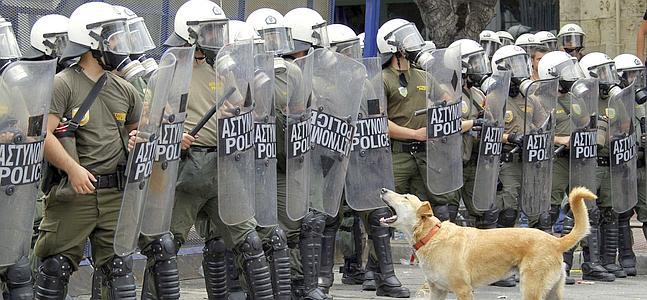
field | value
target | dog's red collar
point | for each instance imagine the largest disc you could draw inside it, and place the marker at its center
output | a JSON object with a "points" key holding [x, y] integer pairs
{"points": [[425, 239]]}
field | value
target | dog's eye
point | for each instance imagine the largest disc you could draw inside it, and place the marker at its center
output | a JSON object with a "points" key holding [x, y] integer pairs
{"points": [[405, 197]]}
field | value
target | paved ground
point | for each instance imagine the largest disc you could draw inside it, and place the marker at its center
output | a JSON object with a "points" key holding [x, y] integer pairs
{"points": [[631, 288]]}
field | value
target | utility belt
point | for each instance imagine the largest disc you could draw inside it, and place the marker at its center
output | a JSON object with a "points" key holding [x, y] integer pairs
{"points": [[114, 180], [202, 149], [408, 147]]}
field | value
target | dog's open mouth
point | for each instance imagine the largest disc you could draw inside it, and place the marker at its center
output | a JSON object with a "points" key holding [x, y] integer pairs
{"points": [[387, 221]]}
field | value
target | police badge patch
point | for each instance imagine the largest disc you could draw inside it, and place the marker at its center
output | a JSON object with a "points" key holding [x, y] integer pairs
{"points": [[508, 116]]}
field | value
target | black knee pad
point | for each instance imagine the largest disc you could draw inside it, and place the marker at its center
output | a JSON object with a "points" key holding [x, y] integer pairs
{"points": [[508, 217], [53, 276], [313, 223], [164, 270], [255, 267], [214, 265], [488, 219], [625, 216], [607, 215], [19, 281], [162, 248], [118, 278], [441, 212], [594, 216]]}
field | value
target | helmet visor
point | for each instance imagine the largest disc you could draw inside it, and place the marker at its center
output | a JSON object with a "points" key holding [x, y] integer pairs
{"points": [[56, 42], [637, 76], [213, 34], [506, 41], [571, 40], [551, 44], [350, 48], [407, 37], [8, 45], [606, 73], [490, 47], [518, 64], [320, 35], [116, 38], [140, 38], [569, 70], [278, 40], [477, 63]]}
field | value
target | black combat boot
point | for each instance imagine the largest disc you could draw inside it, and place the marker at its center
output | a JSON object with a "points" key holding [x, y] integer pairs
{"points": [[214, 265], [609, 243], [326, 275], [352, 273], [591, 267], [387, 283], [369, 276], [626, 255]]}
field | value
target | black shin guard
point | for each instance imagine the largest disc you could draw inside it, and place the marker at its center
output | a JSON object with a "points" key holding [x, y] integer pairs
{"points": [[326, 276], [312, 228], [387, 283], [488, 219], [609, 243], [255, 268], [278, 257], [53, 276], [19, 281], [508, 217], [626, 255], [591, 267], [118, 278], [162, 252], [214, 266]]}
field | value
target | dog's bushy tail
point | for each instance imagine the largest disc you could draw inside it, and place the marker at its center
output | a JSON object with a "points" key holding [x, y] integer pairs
{"points": [[581, 216]]}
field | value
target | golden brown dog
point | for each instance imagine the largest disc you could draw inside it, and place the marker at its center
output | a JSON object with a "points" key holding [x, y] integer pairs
{"points": [[459, 259]]}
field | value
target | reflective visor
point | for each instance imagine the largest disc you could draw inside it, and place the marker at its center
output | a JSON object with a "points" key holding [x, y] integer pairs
{"points": [[8, 45], [551, 44], [56, 42], [571, 40], [637, 76], [408, 37], [320, 35], [350, 48], [569, 70], [606, 73], [116, 38], [477, 63], [213, 34], [490, 47], [140, 38], [506, 41], [518, 64], [278, 40]]}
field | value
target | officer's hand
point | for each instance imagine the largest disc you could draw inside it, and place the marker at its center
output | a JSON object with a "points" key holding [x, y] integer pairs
{"points": [[477, 124], [420, 134], [132, 139], [187, 140], [515, 138], [563, 140], [81, 180]]}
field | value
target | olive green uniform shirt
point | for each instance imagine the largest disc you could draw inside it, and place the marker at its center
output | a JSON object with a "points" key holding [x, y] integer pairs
{"points": [[402, 102], [202, 96], [98, 142]]}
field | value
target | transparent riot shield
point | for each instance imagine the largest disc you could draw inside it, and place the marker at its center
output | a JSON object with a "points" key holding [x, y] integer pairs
{"points": [[140, 158], [444, 141], [370, 167], [583, 112], [297, 135], [338, 83], [623, 149], [537, 153], [265, 140], [490, 146], [236, 175], [25, 95], [161, 185]]}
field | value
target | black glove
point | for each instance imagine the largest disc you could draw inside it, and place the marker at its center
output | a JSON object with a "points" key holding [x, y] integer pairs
{"points": [[477, 124], [515, 138]]}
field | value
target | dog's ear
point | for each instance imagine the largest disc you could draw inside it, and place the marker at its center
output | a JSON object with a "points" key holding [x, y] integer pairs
{"points": [[425, 210]]}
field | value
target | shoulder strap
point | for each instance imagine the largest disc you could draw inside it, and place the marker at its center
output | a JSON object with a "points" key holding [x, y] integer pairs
{"points": [[73, 124]]}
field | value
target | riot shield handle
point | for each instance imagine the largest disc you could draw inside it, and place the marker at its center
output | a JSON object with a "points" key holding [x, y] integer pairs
{"points": [[210, 113], [420, 112]]}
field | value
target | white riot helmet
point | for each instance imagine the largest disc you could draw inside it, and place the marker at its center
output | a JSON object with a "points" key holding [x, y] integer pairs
{"points": [[101, 28], [632, 70], [514, 59], [599, 65], [141, 41], [505, 37], [548, 39], [571, 36], [475, 64], [344, 40], [309, 29], [558, 64], [240, 31], [490, 42], [528, 42], [48, 37], [201, 23], [271, 26], [361, 37], [400, 36], [9, 50]]}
